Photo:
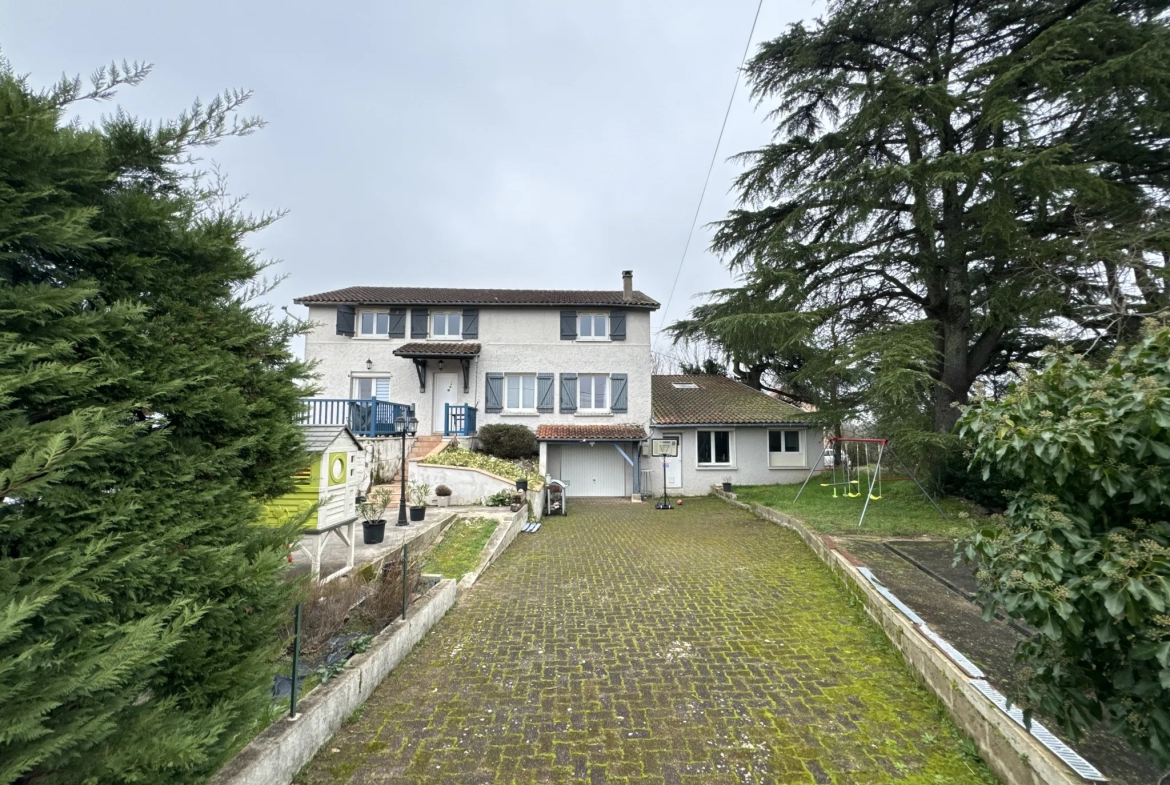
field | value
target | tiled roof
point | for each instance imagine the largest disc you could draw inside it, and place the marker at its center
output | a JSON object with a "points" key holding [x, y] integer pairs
{"points": [[319, 437], [402, 295], [432, 348], [717, 400], [613, 433]]}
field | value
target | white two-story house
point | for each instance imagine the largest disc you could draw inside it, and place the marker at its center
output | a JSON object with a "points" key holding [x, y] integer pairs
{"points": [[572, 365]]}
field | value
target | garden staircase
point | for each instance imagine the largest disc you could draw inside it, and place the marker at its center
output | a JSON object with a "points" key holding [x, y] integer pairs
{"points": [[422, 447]]}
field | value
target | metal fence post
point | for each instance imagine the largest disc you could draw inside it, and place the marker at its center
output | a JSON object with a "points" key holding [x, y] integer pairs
{"points": [[296, 662], [404, 581]]}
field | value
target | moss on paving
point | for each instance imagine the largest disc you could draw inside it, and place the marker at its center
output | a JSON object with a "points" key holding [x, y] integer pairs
{"points": [[624, 644], [901, 511], [457, 553]]}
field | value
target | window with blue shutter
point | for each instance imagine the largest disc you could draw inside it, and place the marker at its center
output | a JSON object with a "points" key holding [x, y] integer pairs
{"points": [[568, 393], [569, 326], [618, 385], [346, 315], [493, 393], [397, 323], [418, 323], [617, 325], [545, 400], [470, 323]]}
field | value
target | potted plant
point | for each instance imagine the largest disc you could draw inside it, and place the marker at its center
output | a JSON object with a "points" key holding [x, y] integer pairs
{"points": [[419, 494], [522, 484], [371, 508], [443, 494], [727, 484]]}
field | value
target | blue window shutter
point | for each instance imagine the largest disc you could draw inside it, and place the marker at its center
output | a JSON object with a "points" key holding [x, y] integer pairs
{"points": [[470, 322], [568, 392], [397, 323], [418, 322], [345, 320], [545, 399], [618, 381], [617, 325], [493, 393], [569, 327]]}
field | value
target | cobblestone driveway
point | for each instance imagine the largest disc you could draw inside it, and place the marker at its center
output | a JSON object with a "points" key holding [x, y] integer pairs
{"points": [[622, 644]]}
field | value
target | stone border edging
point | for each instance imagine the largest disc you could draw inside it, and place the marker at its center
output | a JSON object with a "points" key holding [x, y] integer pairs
{"points": [[1013, 754], [281, 750], [500, 540]]}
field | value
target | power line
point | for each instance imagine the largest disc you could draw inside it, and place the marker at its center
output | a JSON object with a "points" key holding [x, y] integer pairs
{"points": [[710, 168]]}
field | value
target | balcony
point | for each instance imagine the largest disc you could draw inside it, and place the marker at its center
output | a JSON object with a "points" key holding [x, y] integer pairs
{"points": [[459, 420], [363, 416]]}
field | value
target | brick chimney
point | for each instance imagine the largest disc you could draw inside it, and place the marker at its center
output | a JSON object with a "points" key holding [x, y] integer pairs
{"points": [[627, 284]]}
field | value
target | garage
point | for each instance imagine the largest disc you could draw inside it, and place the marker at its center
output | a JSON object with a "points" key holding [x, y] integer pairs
{"points": [[597, 470]]}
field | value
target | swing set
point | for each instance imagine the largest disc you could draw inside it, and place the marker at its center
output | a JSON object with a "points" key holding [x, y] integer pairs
{"points": [[847, 480]]}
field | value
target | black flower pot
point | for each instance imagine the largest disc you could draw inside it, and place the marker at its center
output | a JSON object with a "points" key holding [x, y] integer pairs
{"points": [[373, 532], [522, 485], [727, 487], [418, 513]]}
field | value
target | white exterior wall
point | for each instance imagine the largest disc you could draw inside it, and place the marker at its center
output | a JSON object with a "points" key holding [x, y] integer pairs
{"points": [[512, 340], [749, 456]]}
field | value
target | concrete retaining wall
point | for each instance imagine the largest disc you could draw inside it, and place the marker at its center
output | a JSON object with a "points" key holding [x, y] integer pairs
{"points": [[500, 540], [1013, 754], [279, 752], [468, 486]]}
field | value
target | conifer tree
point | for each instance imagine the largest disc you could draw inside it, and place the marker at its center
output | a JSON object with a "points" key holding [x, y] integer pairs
{"points": [[147, 409], [989, 176]]}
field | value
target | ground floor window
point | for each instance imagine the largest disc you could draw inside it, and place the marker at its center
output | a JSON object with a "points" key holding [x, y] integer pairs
{"points": [[521, 393], [784, 448], [714, 448], [367, 387]]}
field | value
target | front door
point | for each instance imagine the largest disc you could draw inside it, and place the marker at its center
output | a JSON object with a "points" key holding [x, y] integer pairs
{"points": [[445, 391], [674, 465]]}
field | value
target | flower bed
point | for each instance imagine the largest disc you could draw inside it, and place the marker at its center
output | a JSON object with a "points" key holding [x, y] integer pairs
{"points": [[509, 470]]}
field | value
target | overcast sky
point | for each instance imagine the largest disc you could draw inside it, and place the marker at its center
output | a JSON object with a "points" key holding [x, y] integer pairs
{"points": [[495, 144]]}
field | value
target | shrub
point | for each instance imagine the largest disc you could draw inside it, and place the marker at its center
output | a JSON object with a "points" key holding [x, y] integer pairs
{"points": [[507, 441], [1083, 554], [442, 490]]}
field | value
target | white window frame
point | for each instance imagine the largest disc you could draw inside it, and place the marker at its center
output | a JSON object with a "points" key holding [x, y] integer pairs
{"points": [[446, 324], [521, 409], [374, 336], [788, 459], [581, 390], [730, 448], [357, 378], [593, 317]]}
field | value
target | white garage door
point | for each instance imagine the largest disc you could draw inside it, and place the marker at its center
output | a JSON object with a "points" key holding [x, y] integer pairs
{"points": [[599, 470]]}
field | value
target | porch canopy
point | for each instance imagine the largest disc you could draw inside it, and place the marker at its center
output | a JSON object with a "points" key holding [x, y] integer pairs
{"points": [[421, 351], [590, 433]]}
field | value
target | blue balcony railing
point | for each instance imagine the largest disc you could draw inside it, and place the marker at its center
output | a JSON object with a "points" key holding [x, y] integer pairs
{"points": [[363, 416], [459, 420]]}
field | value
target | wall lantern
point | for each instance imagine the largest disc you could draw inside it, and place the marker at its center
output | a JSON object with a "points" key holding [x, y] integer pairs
{"points": [[440, 365], [369, 365]]}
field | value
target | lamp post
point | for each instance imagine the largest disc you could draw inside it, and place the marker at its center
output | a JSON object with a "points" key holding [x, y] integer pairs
{"points": [[404, 427]]}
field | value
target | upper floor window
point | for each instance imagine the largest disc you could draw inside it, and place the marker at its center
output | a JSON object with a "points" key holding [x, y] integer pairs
{"points": [[593, 392], [520, 393], [447, 325], [592, 327], [373, 324]]}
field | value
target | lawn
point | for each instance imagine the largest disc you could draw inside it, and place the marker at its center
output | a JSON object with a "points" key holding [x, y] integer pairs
{"points": [[900, 511], [458, 551]]}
